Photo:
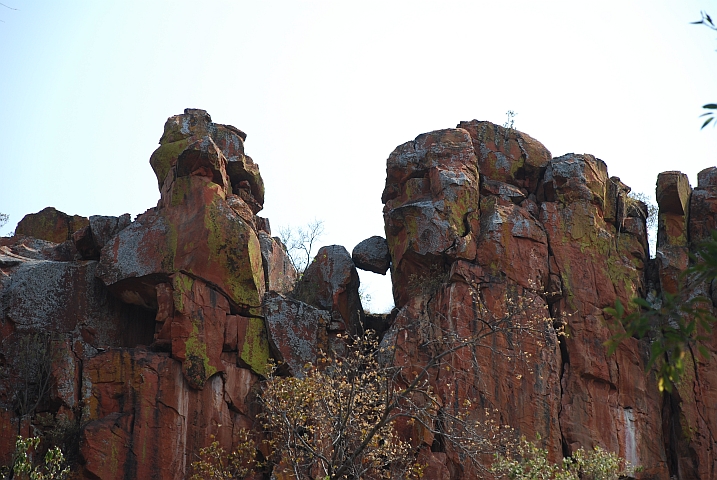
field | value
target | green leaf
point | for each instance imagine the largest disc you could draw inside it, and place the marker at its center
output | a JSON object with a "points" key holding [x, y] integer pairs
{"points": [[707, 122], [711, 106], [641, 302], [619, 309], [703, 351]]}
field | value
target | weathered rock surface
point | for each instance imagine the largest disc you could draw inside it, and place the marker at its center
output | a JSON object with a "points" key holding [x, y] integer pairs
{"points": [[554, 233], [372, 255], [51, 225], [507, 155], [331, 283], [279, 273], [154, 327], [90, 239], [297, 331], [691, 409], [159, 331], [431, 207], [145, 421]]}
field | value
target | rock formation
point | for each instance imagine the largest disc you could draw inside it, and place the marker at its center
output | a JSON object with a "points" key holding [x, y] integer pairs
{"points": [[134, 342]]}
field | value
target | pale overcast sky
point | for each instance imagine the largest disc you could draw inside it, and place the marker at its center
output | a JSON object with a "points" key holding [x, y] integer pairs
{"points": [[326, 90]]}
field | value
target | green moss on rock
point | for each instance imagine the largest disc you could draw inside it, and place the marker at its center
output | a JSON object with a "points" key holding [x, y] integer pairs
{"points": [[255, 351], [196, 366], [233, 244], [165, 156]]}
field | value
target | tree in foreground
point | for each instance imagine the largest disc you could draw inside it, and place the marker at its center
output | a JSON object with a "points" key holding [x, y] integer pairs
{"points": [[363, 412], [710, 108], [675, 323], [336, 420]]}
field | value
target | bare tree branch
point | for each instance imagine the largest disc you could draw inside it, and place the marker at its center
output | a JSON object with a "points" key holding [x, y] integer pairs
{"points": [[301, 242]]}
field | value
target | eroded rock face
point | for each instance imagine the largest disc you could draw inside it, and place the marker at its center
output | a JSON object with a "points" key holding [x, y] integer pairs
{"points": [[554, 233], [201, 240], [430, 207], [90, 239], [130, 395], [279, 273], [507, 155], [297, 331], [159, 331], [154, 327], [691, 409]]}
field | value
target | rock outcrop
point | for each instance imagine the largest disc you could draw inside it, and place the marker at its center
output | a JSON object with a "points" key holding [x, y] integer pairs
{"points": [[136, 342], [158, 322]]}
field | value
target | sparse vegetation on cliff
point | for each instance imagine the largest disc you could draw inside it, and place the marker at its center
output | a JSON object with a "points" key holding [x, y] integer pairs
{"points": [[529, 462], [337, 419]]}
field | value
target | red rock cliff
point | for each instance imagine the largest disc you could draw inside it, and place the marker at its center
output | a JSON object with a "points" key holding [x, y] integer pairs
{"points": [[135, 341]]}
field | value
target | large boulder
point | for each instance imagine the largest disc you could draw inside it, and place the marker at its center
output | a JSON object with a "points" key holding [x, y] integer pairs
{"points": [[331, 283], [673, 194], [372, 255], [193, 145], [90, 239], [199, 234], [197, 258], [51, 225]]}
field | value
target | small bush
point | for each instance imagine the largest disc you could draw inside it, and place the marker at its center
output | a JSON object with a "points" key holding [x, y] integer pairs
{"points": [[529, 462], [26, 467], [216, 464]]}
